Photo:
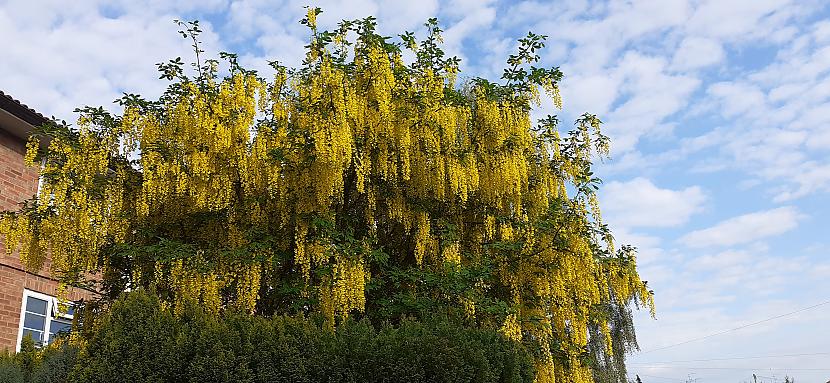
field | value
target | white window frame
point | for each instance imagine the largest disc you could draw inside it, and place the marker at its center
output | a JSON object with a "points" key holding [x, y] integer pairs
{"points": [[40, 177], [52, 314]]}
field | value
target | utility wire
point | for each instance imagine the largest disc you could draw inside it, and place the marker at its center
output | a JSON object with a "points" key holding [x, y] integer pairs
{"points": [[661, 377], [737, 328], [736, 358], [736, 368]]}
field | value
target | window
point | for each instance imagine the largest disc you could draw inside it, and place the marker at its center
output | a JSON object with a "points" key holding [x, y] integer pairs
{"points": [[44, 318]]}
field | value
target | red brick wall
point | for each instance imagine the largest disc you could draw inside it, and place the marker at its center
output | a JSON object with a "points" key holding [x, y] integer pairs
{"points": [[17, 183]]}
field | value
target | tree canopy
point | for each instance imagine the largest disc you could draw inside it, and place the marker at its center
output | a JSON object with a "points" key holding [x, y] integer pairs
{"points": [[360, 184]]}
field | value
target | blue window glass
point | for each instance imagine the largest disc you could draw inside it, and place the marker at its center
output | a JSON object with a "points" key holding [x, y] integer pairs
{"points": [[35, 305], [59, 327], [34, 322]]}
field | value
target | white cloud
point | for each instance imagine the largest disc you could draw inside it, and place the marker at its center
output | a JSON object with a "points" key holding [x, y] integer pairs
{"points": [[398, 16], [594, 93], [695, 53], [476, 17], [771, 123], [639, 203], [595, 43], [66, 56], [720, 261], [462, 8], [745, 228], [738, 98], [286, 48], [650, 96], [821, 31], [781, 113], [742, 19]]}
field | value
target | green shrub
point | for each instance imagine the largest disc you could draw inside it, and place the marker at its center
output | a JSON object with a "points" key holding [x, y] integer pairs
{"points": [[30, 365], [11, 370], [138, 341], [54, 364], [134, 342]]}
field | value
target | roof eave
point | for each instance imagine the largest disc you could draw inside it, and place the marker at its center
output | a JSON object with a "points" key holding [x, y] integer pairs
{"points": [[17, 119], [14, 125]]}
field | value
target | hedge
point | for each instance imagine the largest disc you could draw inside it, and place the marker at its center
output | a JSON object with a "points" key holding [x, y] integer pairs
{"points": [[138, 341], [50, 365]]}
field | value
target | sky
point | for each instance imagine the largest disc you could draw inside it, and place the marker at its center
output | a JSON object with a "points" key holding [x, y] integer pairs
{"points": [[719, 114]]}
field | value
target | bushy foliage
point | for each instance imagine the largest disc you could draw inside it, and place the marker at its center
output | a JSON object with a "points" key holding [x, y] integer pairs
{"points": [[31, 365], [139, 341], [358, 185], [11, 370]]}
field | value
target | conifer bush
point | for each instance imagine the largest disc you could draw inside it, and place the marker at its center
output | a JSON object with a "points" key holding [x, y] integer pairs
{"points": [[50, 365], [140, 341]]}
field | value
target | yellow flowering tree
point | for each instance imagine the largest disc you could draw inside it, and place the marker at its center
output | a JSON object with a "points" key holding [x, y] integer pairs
{"points": [[358, 184]]}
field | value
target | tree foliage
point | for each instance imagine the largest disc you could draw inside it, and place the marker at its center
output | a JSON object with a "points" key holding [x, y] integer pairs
{"points": [[358, 184]]}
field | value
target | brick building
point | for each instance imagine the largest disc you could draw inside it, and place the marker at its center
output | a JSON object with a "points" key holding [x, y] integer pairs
{"points": [[27, 297]]}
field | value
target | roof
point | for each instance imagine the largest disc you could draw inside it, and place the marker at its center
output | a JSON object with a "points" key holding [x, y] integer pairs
{"points": [[17, 118]]}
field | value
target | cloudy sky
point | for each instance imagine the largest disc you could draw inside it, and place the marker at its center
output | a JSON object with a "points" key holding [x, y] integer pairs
{"points": [[719, 113]]}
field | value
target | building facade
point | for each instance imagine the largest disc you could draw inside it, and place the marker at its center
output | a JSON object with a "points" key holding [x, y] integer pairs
{"points": [[28, 303]]}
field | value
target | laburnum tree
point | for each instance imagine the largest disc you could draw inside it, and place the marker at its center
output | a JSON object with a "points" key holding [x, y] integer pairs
{"points": [[360, 184]]}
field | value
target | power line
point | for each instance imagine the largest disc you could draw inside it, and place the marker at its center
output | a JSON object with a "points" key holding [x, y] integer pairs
{"points": [[735, 368], [736, 358], [737, 328], [662, 377]]}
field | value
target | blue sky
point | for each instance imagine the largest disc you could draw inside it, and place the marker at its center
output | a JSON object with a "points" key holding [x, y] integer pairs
{"points": [[719, 113]]}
